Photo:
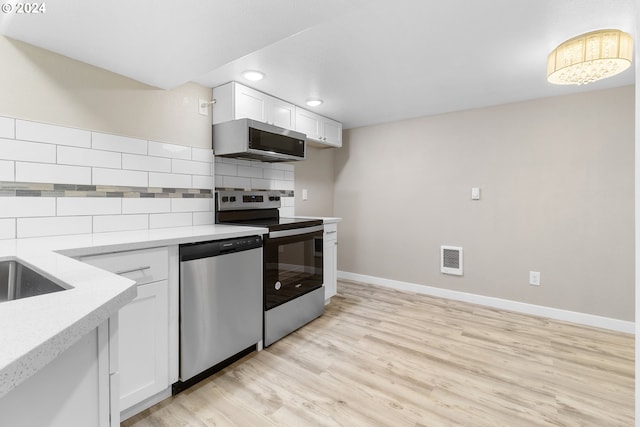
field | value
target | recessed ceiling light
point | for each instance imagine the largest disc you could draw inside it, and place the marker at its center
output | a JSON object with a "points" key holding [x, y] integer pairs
{"points": [[314, 102], [253, 75]]}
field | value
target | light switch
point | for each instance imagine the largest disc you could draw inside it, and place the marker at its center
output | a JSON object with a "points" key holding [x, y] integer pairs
{"points": [[475, 193], [305, 195]]}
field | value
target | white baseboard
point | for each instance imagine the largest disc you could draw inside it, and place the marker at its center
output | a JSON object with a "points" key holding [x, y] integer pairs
{"points": [[520, 307]]}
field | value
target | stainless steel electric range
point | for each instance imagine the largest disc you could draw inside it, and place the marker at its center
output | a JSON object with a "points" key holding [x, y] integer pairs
{"points": [[293, 291]]}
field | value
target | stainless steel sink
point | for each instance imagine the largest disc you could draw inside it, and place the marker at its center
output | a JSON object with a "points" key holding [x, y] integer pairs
{"points": [[19, 281]]}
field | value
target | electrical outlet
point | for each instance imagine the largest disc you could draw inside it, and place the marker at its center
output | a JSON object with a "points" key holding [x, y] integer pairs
{"points": [[534, 278], [305, 194]]}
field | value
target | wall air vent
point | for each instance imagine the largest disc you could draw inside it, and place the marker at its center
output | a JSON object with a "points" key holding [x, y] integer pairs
{"points": [[451, 260]]}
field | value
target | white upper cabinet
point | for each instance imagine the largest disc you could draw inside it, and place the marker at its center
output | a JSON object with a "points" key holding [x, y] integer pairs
{"points": [[235, 101], [318, 128]]}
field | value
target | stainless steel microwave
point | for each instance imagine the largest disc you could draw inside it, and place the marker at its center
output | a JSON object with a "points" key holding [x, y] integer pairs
{"points": [[254, 140]]}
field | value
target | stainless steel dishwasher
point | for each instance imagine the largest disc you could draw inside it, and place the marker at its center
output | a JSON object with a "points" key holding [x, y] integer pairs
{"points": [[220, 304]]}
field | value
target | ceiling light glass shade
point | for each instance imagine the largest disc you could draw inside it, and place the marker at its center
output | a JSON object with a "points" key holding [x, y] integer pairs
{"points": [[314, 102], [253, 75], [590, 57]]}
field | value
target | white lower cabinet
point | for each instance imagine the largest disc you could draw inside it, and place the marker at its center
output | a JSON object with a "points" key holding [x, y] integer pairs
{"points": [[72, 390], [330, 260], [144, 344], [143, 325]]}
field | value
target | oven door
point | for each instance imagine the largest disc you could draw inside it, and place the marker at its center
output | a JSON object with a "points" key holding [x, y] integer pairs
{"points": [[293, 266]]}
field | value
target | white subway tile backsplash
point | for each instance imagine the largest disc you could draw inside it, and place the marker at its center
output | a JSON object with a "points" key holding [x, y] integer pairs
{"points": [[44, 153], [201, 155], [236, 182], [282, 185], [88, 157], [203, 218], [67, 206], [169, 180], [284, 166], [260, 184], [289, 176], [145, 163], [190, 167], [170, 220], [226, 169], [7, 170], [41, 132], [250, 172], [274, 174], [171, 151], [56, 174], [105, 223], [199, 181], [13, 207], [124, 144], [288, 202], [191, 205], [8, 228], [53, 226], [7, 128], [120, 177], [11, 149], [145, 205]]}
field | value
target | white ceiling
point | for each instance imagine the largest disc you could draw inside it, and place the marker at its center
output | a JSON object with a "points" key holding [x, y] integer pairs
{"points": [[371, 61]]}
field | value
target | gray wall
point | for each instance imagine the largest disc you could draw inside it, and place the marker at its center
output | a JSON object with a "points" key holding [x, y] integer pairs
{"points": [[46, 87], [316, 175], [557, 180]]}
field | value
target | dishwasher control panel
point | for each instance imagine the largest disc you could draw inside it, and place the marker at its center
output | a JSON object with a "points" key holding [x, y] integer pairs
{"points": [[218, 247]]}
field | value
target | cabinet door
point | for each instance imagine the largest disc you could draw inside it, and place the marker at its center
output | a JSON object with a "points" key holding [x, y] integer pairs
{"points": [[249, 103], [281, 114], [66, 392], [308, 123], [330, 266], [143, 330], [332, 132]]}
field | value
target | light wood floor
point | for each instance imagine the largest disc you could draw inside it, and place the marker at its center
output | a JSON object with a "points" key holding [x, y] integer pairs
{"points": [[379, 357]]}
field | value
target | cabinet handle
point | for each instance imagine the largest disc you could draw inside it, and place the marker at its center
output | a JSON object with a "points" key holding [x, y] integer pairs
{"points": [[146, 267], [330, 232]]}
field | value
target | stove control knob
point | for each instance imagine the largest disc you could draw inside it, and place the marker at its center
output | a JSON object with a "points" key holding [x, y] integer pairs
{"points": [[278, 285], [233, 198], [225, 199]]}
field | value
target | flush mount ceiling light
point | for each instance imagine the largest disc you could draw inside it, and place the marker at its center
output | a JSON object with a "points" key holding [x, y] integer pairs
{"points": [[314, 102], [253, 75], [590, 57]]}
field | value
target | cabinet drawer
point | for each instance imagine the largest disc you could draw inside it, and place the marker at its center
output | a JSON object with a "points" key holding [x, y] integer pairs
{"points": [[330, 228], [143, 266]]}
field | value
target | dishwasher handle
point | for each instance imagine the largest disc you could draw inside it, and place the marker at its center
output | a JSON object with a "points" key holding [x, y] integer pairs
{"points": [[192, 251]]}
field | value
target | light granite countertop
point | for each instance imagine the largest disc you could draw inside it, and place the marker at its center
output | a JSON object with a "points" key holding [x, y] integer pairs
{"points": [[36, 330]]}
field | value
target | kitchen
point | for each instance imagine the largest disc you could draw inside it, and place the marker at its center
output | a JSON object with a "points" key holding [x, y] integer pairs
{"points": [[47, 88]]}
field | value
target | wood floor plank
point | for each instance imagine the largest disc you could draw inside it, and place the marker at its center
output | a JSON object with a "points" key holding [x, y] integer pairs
{"points": [[382, 357]]}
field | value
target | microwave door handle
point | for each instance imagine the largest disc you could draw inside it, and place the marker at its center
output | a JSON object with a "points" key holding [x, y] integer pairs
{"points": [[295, 232]]}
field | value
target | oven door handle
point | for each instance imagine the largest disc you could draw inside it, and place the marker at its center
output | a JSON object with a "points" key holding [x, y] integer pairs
{"points": [[295, 231]]}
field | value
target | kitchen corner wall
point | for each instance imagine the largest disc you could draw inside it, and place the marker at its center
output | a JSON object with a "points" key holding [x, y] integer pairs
{"points": [[557, 196], [56, 180], [45, 87], [316, 175]]}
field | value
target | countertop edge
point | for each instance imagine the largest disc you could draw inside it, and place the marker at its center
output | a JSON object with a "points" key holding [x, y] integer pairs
{"points": [[16, 368]]}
